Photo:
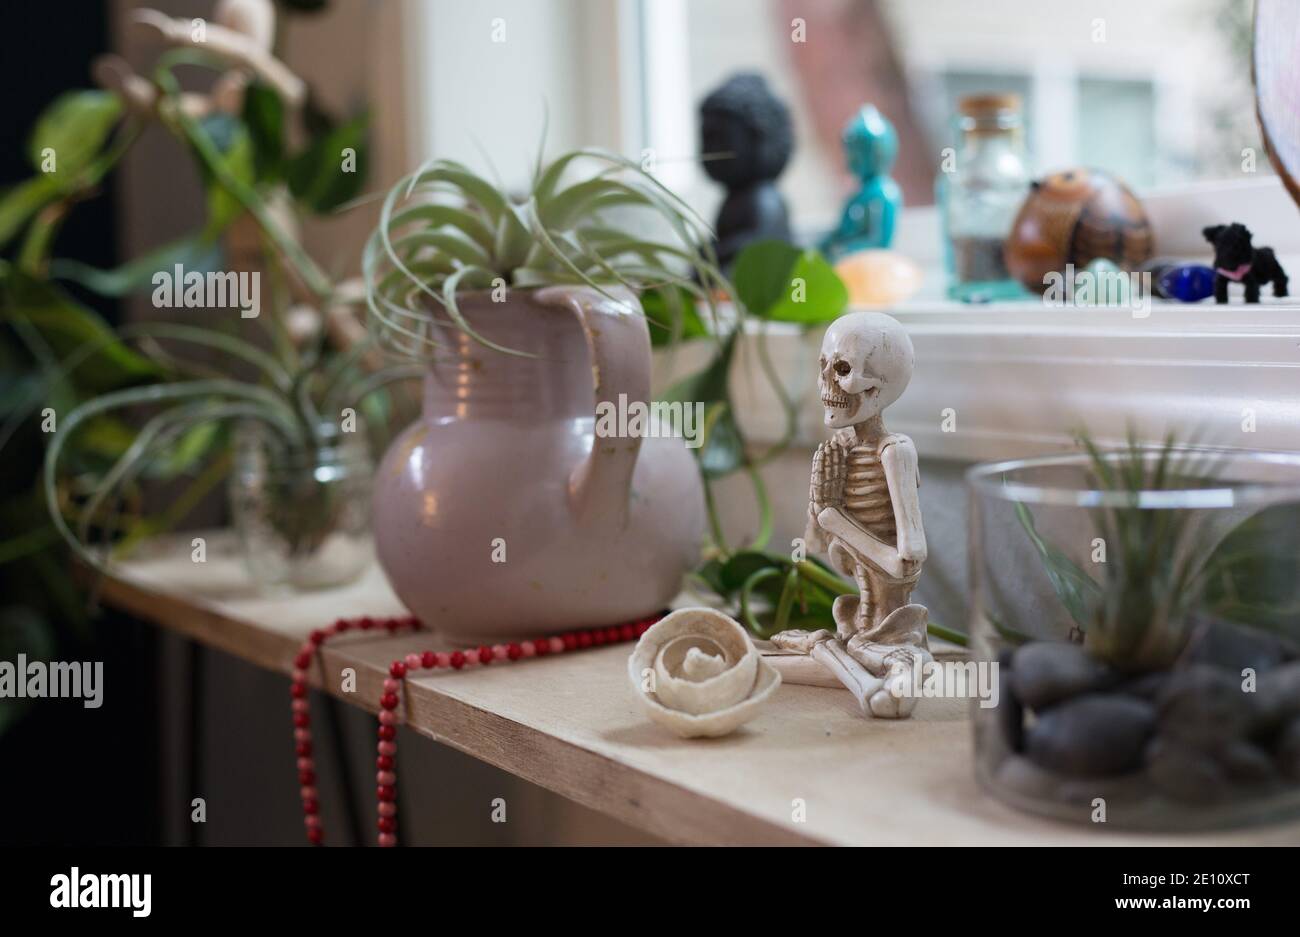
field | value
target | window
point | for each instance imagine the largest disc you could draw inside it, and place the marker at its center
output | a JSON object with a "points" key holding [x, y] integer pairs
{"points": [[1157, 92]]}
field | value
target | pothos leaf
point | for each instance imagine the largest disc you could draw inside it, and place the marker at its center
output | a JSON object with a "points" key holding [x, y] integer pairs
{"points": [[24, 200], [742, 565], [264, 117], [71, 131], [723, 450], [777, 281], [665, 308], [815, 294], [67, 326], [761, 274], [231, 138], [331, 170]]}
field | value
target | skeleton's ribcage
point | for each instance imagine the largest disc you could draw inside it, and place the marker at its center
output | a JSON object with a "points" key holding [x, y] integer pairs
{"points": [[866, 494]]}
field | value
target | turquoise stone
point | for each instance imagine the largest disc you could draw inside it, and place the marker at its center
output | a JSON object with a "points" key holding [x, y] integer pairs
{"points": [[1102, 283]]}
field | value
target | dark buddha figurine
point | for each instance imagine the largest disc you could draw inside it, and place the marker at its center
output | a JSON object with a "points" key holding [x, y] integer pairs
{"points": [[746, 137]]}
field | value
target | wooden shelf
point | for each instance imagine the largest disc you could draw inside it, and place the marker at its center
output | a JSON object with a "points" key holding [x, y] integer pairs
{"points": [[570, 724]]}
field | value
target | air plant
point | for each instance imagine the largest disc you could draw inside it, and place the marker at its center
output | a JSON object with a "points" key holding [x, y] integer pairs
{"points": [[444, 230], [1163, 567], [289, 407]]}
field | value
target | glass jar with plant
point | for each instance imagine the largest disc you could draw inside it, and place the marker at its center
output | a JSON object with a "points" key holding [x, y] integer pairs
{"points": [[76, 385], [1142, 607]]}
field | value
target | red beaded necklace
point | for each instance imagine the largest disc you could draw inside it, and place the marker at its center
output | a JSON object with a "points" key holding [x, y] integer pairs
{"points": [[398, 670]]}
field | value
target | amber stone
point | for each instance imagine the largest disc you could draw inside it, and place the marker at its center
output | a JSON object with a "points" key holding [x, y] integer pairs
{"points": [[879, 277], [1075, 217]]}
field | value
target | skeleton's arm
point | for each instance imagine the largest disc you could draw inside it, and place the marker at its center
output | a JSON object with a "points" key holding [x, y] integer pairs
{"points": [[826, 508], [900, 464], [838, 524]]}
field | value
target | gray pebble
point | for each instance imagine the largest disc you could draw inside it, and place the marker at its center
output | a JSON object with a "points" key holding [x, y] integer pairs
{"points": [[1045, 672], [1246, 763], [1147, 686], [1233, 647], [1097, 735], [1010, 714], [1184, 772], [1288, 750], [1202, 705], [1278, 693]]}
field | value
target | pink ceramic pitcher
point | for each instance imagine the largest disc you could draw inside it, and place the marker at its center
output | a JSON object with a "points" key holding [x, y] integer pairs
{"points": [[500, 513]]}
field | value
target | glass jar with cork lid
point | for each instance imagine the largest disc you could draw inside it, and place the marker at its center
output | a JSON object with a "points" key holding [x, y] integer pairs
{"points": [[980, 187]]}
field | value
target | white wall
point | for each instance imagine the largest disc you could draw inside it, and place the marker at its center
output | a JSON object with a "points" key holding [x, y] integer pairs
{"points": [[487, 74]]}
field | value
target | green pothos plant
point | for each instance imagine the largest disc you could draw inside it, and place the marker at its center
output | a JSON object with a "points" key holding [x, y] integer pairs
{"points": [[89, 414]]}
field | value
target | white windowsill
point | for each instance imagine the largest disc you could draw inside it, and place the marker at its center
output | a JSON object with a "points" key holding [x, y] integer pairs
{"points": [[1022, 377]]}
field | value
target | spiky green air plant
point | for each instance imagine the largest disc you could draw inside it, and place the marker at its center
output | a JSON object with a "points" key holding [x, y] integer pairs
{"points": [[287, 404], [444, 230], [1156, 561], [1160, 560]]}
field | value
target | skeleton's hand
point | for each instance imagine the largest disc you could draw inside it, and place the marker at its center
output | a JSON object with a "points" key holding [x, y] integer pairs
{"points": [[830, 470]]}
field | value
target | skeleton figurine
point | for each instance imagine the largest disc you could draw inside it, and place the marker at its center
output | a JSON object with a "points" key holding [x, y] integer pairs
{"points": [[864, 512]]}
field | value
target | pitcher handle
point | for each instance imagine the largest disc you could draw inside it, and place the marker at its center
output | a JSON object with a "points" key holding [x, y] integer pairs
{"points": [[619, 342]]}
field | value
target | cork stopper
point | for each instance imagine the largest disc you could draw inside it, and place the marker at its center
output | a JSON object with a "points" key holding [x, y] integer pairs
{"points": [[989, 113]]}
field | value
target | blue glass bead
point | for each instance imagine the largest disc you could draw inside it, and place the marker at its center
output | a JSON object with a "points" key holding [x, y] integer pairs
{"points": [[1188, 283]]}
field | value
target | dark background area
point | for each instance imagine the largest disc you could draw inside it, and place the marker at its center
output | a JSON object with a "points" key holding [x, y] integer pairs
{"points": [[70, 774]]}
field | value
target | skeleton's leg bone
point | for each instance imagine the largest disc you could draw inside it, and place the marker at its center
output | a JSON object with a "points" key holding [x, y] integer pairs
{"points": [[896, 666], [845, 612], [827, 650], [801, 642], [841, 558], [853, 675]]}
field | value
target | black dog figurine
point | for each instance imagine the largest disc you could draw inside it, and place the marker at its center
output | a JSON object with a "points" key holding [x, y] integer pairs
{"points": [[1236, 261]]}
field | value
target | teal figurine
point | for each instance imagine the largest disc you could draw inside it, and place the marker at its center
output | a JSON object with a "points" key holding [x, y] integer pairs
{"points": [[870, 147]]}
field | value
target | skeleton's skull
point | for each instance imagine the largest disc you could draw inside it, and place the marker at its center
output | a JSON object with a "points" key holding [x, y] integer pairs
{"points": [[866, 362]]}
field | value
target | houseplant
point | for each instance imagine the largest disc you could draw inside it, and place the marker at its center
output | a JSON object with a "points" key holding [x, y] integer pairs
{"points": [[57, 350], [1142, 606], [283, 505], [505, 509], [505, 299]]}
